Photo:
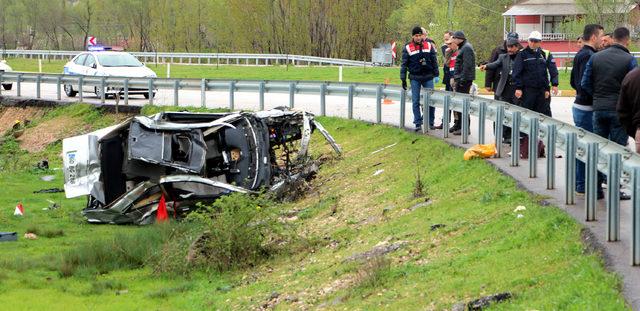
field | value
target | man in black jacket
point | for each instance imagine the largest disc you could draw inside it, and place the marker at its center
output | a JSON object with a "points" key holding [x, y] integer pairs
{"points": [[583, 104], [464, 73], [505, 89], [602, 79], [492, 77], [629, 106], [419, 58]]}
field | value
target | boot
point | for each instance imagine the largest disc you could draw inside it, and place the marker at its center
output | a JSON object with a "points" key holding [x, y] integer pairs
{"points": [[541, 153], [524, 147]]}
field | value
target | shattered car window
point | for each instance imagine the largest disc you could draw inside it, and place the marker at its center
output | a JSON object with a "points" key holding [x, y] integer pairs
{"points": [[187, 158]]}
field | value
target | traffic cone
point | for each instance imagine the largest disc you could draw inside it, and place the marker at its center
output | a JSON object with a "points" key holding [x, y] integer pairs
{"points": [[161, 215], [19, 210]]}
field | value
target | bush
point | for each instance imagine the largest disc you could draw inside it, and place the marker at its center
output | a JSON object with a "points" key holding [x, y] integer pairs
{"points": [[239, 231]]}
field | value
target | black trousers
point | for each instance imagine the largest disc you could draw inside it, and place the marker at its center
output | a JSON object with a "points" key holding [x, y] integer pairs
{"points": [[533, 99], [461, 88]]}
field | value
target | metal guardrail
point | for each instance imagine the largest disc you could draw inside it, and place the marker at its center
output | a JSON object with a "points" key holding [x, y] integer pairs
{"points": [[600, 155], [201, 58]]}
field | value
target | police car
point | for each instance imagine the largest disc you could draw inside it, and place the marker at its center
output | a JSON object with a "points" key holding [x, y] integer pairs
{"points": [[107, 63], [5, 68]]}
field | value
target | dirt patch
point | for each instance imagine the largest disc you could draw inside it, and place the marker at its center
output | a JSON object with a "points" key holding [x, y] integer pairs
{"points": [[37, 138], [9, 116]]}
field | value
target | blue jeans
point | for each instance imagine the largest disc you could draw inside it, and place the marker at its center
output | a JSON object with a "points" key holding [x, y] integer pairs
{"points": [[607, 125], [584, 120], [415, 98]]}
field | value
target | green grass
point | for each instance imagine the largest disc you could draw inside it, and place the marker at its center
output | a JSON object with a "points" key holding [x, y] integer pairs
{"points": [[483, 249], [389, 75]]}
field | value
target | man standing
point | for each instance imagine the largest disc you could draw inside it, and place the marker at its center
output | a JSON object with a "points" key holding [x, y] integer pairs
{"points": [[505, 90], [419, 58], [531, 71], [602, 79], [583, 104], [447, 54], [629, 106], [465, 73]]}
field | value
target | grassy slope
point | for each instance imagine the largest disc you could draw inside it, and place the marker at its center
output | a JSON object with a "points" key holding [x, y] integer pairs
{"points": [[350, 74], [483, 249]]}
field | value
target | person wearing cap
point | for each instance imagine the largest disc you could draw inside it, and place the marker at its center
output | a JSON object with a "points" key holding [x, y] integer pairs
{"points": [[505, 89], [419, 59], [602, 79], [492, 77], [531, 72], [464, 74], [583, 104]]}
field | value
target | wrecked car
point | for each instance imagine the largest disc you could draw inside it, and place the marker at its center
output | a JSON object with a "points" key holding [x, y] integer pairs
{"points": [[186, 158]]}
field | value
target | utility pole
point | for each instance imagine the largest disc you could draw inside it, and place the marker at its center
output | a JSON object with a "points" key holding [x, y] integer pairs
{"points": [[450, 14]]}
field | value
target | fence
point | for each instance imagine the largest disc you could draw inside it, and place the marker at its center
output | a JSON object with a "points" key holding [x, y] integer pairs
{"points": [[600, 155], [201, 58]]}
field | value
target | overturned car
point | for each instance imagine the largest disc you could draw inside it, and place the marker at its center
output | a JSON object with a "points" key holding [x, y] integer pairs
{"points": [[185, 158]]}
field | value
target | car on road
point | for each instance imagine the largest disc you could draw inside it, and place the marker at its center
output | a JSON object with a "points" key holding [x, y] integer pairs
{"points": [[5, 68], [104, 64]]}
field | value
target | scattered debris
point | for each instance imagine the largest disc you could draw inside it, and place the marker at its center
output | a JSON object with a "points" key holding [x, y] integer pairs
{"points": [[520, 216], [520, 208], [189, 158], [122, 292], [47, 178], [437, 226], [378, 172], [381, 149], [30, 236], [225, 289], [419, 205], [381, 249], [43, 165], [52, 205], [481, 303], [49, 190], [8, 236]]}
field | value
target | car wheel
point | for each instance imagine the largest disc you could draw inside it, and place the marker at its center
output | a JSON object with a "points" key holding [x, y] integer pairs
{"points": [[7, 86], [68, 89], [98, 92], [146, 95]]}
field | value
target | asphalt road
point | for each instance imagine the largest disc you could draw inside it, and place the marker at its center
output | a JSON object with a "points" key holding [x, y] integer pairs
{"points": [[617, 254]]}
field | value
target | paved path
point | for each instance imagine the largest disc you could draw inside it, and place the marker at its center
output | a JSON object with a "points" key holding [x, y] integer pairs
{"points": [[617, 254]]}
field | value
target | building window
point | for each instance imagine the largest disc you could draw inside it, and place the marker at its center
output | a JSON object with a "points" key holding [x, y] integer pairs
{"points": [[552, 24]]}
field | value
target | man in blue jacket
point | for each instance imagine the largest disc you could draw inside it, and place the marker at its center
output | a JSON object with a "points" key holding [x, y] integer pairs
{"points": [[602, 79], [583, 104], [419, 58]]}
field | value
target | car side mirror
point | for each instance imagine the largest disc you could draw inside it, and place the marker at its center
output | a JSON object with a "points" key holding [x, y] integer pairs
{"points": [[94, 66]]}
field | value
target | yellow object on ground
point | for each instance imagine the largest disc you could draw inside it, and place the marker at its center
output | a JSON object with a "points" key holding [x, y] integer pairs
{"points": [[480, 151]]}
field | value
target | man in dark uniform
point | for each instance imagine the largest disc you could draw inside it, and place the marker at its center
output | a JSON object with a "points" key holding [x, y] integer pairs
{"points": [[531, 71], [464, 74], [419, 58]]}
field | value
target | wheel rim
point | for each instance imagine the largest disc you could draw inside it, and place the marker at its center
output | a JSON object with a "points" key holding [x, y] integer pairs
{"points": [[67, 89]]}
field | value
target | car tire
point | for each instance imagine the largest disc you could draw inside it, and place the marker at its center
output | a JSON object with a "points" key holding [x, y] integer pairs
{"points": [[7, 86], [146, 95], [69, 91]]}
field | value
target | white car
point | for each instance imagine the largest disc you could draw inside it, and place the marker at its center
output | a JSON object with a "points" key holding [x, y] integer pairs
{"points": [[5, 68], [107, 63]]}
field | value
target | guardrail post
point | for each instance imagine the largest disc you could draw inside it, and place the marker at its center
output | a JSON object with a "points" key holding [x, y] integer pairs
{"points": [[323, 107], [482, 115], [570, 168], [103, 89], [613, 197], [379, 104], [465, 120], [533, 147], [635, 219], [126, 91], [446, 113], [350, 101], [232, 89], [19, 85], [426, 112], [80, 87], [150, 89], [203, 93], [403, 106], [261, 89], [498, 131], [38, 78], [551, 156], [515, 138], [1, 79], [176, 87], [591, 181], [59, 87], [292, 91]]}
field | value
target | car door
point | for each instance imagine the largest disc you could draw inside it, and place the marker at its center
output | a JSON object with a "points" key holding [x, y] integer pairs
{"points": [[77, 67], [89, 70]]}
